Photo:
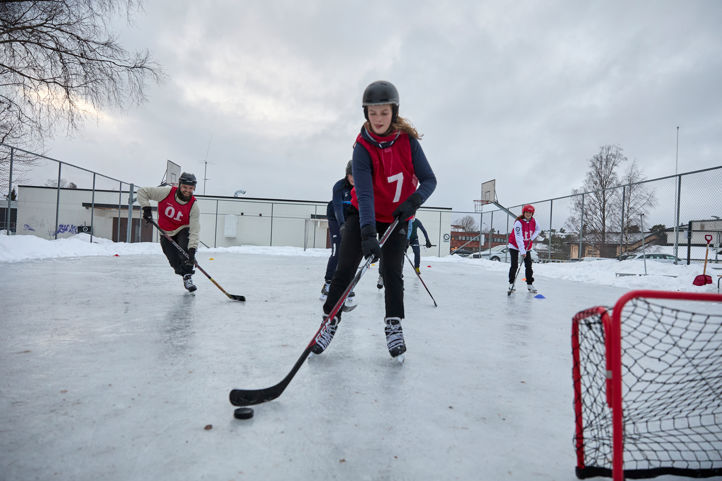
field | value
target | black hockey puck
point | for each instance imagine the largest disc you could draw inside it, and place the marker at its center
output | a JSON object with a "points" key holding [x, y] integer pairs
{"points": [[243, 413]]}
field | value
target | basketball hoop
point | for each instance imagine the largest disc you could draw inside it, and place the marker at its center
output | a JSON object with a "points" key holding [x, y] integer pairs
{"points": [[478, 204]]}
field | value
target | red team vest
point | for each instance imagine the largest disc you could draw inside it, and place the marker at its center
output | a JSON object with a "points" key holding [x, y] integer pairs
{"points": [[394, 179], [173, 215], [527, 229]]}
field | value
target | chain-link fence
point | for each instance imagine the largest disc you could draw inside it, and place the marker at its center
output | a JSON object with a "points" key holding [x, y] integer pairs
{"points": [[62, 186], [669, 215], [50, 198]]}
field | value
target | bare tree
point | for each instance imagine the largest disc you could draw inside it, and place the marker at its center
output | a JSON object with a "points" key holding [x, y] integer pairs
{"points": [[57, 58], [636, 199], [467, 224], [602, 193]]}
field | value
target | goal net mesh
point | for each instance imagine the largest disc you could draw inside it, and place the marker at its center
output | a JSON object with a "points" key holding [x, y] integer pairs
{"points": [[671, 394]]}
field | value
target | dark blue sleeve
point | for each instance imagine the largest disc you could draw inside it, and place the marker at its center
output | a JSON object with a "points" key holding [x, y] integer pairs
{"points": [[364, 184], [337, 200], [422, 169], [421, 226]]}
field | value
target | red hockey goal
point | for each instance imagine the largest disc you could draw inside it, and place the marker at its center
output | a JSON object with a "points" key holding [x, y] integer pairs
{"points": [[647, 380]]}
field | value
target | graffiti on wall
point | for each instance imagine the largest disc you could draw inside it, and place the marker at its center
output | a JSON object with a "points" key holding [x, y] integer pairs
{"points": [[67, 229]]}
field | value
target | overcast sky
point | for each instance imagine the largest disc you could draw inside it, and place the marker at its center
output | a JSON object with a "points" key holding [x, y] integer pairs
{"points": [[524, 92]]}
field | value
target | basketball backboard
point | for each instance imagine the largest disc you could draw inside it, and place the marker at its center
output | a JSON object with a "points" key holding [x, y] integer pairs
{"points": [[172, 172]]}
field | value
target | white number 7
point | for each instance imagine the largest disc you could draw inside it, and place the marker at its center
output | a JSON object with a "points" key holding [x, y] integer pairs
{"points": [[399, 179]]}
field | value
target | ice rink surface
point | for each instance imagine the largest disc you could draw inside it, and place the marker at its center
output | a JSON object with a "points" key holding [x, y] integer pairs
{"points": [[110, 370]]}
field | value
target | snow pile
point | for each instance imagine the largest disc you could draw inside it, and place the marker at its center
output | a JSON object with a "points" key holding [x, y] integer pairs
{"points": [[629, 274], [17, 248]]}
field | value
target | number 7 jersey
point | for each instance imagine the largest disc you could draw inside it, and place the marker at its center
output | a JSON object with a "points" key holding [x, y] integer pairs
{"points": [[393, 176]]}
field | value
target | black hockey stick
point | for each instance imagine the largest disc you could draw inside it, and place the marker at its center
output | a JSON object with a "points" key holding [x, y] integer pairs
{"points": [[235, 297], [418, 274], [513, 284], [249, 397]]}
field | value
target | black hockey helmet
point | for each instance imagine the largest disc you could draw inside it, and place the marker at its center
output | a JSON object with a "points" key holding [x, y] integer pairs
{"points": [[381, 92], [187, 179], [349, 171]]}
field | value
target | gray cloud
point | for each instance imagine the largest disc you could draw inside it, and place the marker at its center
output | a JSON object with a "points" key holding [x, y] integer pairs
{"points": [[523, 92]]}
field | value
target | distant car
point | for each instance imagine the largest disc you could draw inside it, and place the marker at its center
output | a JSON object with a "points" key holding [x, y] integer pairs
{"points": [[496, 253], [462, 252], [654, 257], [501, 253]]}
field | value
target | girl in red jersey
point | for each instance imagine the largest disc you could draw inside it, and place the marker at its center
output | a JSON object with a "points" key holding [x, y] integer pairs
{"points": [[392, 178], [522, 236]]}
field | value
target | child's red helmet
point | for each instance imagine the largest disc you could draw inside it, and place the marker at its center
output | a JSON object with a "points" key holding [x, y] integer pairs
{"points": [[528, 208]]}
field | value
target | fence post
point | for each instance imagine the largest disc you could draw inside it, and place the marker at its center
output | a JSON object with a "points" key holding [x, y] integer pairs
{"points": [[92, 210], [57, 200], [622, 237], [689, 242], [120, 202], [676, 220], [491, 229], [10, 192], [481, 225], [551, 211], [506, 254], [581, 229], [270, 241], [130, 213], [215, 229]]}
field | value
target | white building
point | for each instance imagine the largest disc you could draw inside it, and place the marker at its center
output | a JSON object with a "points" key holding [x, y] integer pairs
{"points": [[49, 212]]}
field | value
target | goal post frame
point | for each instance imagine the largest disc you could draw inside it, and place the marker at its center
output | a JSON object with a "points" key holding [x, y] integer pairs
{"points": [[613, 363]]}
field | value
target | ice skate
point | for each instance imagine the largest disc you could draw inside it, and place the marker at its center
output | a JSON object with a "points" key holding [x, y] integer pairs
{"points": [[324, 291], [188, 283], [531, 288], [510, 290], [350, 302], [394, 337], [325, 334]]}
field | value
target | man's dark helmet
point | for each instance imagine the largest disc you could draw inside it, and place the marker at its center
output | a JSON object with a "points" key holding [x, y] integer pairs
{"points": [[187, 179]]}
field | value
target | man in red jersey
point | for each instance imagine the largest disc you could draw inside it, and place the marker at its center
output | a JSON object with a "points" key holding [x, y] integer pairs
{"points": [[179, 217]]}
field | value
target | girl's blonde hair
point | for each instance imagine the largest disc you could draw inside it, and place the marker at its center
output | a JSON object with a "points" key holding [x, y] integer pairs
{"points": [[399, 124]]}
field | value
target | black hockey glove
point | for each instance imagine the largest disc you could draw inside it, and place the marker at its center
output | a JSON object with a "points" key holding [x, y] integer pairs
{"points": [[147, 214], [191, 261], [408, 207], [370, 242], [428, 244]]}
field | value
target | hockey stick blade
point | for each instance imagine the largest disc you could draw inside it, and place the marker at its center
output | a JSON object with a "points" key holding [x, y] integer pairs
{"points": [[249, 397]]}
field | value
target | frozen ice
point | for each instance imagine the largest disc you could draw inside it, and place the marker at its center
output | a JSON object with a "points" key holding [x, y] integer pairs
{"points": [[110, 370]]}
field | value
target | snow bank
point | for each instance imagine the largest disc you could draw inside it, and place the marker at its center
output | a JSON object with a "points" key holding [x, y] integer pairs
{"points": [[626, 274]]}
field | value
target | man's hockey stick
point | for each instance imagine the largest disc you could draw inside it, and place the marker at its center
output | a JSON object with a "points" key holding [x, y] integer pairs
{"points": [[235, 297], [249, 397], [422, 281]]}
